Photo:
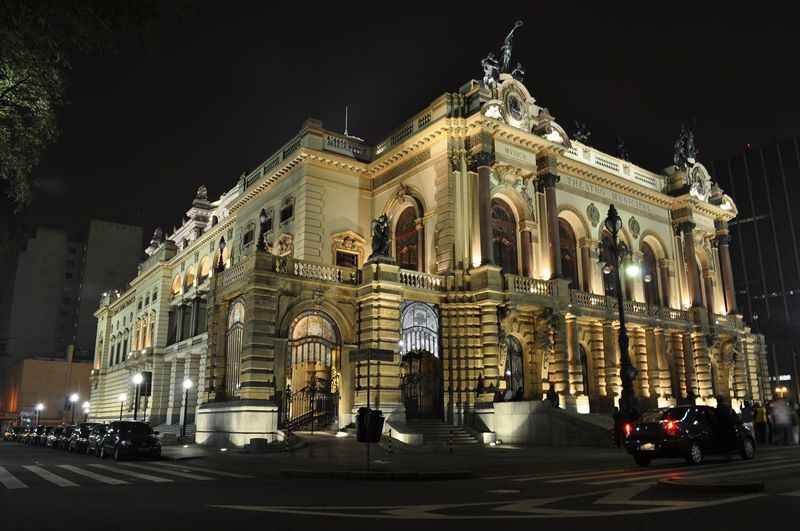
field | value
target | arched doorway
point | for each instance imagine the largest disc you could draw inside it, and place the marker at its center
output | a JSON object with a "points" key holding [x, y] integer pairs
{"points": [[421, 375], [504, 236], [514, 371], [569, 252], [650, 275], [313, 363]]}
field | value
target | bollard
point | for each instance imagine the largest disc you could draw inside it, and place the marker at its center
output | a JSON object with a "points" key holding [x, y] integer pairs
{"points": [[450, 441]]}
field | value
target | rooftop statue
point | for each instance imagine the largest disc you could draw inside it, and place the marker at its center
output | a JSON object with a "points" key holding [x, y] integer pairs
{"points": [[581, 133], [505, 50], [380, 240], [685, 149], [622, 151], [518, 73], [490, 70], [202, 193]]}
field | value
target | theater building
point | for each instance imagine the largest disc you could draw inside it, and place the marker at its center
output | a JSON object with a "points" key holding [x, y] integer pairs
{"points": [[493, 280]]}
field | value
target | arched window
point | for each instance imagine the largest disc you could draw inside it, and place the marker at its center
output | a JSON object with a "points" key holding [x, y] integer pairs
{"points": [[419, 324], [205, 269], [569, 252], [504, 236], [407, 240], [650, 275], [513, 371], [176, 285], [189, 281], [233, 347], [312, 338]]}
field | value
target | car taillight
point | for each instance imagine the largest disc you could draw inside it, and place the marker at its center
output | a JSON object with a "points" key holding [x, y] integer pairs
{"points": [[627, 429], [671, 427]]}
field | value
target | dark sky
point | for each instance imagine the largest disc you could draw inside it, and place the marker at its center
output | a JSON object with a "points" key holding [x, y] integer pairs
{"points": [[230, 82]]}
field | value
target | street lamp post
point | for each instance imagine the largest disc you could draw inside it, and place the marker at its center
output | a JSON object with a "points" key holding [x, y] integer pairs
{"points": [[122, 398], [73, 398], [86, 411], [137, 380], [187, 384], [220, 266], [262, 219], [618, 250], [39, 408], [781, 390]]}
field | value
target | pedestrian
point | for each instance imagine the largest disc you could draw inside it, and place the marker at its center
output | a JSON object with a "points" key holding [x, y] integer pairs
{"points": [[795, 423], [617, 416], [726, 428], [552, 396], [761, 423], [746, 412], [782, 422], [520, 394], [691, 398]]}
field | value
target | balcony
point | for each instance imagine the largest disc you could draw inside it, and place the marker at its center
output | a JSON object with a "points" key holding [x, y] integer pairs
{"points": [[423, 281], [634, 311]]}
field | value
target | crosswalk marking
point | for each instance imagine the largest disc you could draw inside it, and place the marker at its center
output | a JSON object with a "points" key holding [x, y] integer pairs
{"points": [[169, 472], [49, 476], [618, 476], [9, 481], [695, 473], [209, 471], [146, 477], [92, 475]]}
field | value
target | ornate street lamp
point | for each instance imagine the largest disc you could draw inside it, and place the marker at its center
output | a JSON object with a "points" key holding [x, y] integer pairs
{"points": [[262, 219], [221, 263], [616, 252], [187, 384], [137, 380], [39, 408], [73, 398], [122, 398]]}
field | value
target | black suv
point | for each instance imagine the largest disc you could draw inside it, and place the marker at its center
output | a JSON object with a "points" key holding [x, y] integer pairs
{"points": [[78, 439], [690, 432], [129, 438]]}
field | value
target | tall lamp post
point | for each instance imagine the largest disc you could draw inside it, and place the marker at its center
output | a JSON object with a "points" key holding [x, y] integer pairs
{"points": [[122, 398], [73, 398], [39, 408], [618, 251], [262, 219], [187, 384], [85, 411], [781, 390], [220, 266], [137, 381]]}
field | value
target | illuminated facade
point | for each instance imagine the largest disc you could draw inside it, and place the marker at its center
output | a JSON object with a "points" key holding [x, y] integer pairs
{"points": [[496, 221]]}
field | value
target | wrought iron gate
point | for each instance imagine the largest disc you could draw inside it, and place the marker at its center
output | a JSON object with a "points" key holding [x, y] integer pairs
{"points": [[313, 407], [421, 386]]}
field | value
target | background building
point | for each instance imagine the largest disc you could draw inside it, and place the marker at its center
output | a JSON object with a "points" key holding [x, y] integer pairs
{"points": [[764, 184]]}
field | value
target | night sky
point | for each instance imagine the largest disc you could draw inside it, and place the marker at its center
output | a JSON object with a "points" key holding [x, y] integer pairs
{"points": [[230, 82]]}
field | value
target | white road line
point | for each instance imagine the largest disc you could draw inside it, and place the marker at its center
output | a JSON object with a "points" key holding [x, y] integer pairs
{"points": [[550, 474], [793, 493], [163, 470], [146, 477], [630, 473], [10, 481], [98, 477], [734, 472], [208, 471], [49, 476], [694, 473]]}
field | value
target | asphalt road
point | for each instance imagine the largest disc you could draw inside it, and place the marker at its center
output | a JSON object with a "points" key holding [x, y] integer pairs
{"points": [[511, 488]]}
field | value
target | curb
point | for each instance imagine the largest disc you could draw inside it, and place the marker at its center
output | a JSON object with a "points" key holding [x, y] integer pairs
{"points": [[376, 475], [726, 487]]}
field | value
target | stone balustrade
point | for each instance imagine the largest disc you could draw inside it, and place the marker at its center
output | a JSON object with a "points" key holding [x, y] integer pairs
{"points": [[417, 280], [535, 286]]}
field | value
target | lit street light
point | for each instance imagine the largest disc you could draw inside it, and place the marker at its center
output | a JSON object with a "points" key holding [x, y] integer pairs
{"points": [[73, 398], [187, 384], [781, 390], [137, 380], [39, 408], [85, 411], [122, 398]]}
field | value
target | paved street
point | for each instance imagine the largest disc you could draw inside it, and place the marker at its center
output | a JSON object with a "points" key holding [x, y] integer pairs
{"points": [[509, 487]]}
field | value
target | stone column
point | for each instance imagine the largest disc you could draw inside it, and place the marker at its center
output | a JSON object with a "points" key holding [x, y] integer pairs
{"points": [[689, 364], [485, 208], [638, 356], [596, 345], [573, 357], [560, 363], [723, 246], [490, 350], [680, 364], [526, 249], [611, 355], [586, 264], [692, 272], [663, 282], [653, 369], [708, 284], [702, 364], [549, 181], [171, 394], [193, 319]]}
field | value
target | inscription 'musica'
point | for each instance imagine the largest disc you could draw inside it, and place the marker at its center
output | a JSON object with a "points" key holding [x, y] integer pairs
{"points": [[514, 153], [612, 196]]}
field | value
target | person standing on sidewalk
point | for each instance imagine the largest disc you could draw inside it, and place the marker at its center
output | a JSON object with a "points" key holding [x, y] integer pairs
{"points": [[782, 422], [746, 412], [761, 423]]}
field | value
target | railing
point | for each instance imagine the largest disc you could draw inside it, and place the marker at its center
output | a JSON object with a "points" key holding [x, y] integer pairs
{"points": [[314, 271], [345, 146], [535, 286], [619, 167], [287, 149], [728, 321], [233, 273], [410, 127], [415, 279], [593, 300], [588, 299]]}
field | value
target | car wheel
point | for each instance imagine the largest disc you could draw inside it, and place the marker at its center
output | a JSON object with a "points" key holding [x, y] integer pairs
{"points": [[641, 459], [695, 454], [748, 449]]}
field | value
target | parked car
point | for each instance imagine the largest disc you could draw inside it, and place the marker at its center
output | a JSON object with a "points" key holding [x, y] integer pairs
{"points": [[51, 441], [691, 432], [79, 437], [24, 434], [33, 436], [94, 439], [130, 438], [15, 433], [63, 441], [8, 434]]}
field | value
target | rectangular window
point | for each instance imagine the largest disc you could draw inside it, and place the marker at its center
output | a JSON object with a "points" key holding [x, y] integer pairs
{"points": [[68, 275], [287, 209], [345, 259], [248, 237]]}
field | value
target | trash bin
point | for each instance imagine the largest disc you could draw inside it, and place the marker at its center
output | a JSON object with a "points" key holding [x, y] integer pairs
{"points": [[369, 425]]}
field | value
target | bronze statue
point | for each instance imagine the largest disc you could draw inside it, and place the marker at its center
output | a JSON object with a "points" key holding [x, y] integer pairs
{"points": [[490, 70], [380, 240], [581, 133], [505, 50], [518, 73]]}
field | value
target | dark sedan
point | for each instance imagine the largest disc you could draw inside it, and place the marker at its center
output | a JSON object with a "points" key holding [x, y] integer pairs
{"points": [[94, 439], [126, 439], [690, 432], [35, 435], [53, 437], [66, 435], [79, 437]]}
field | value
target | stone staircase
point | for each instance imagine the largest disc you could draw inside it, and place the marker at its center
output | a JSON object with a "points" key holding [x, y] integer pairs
{"points": [[437, 431], [170, 433]]}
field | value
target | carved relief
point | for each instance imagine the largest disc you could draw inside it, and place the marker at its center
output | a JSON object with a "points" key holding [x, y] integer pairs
{"points": [[593, 214], [284, 245]]}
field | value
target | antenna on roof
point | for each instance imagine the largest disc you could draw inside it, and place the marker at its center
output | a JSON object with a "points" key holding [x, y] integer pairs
{"points": [[345, 121]]}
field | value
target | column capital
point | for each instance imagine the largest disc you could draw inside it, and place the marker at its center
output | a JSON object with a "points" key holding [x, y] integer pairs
{"points": [[548, 180], [482, 159], [684, 227], [723, 239]]}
